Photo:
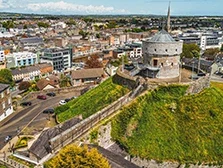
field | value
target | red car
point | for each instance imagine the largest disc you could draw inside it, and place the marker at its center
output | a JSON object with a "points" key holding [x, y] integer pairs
{"points": [[42, 97]]}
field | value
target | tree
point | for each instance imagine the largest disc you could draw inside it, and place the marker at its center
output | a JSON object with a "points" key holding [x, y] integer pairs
{"points": [[70, 22], [93, 62], [83, 33], [24, 85], [6, 77], [42, 24], [211, 53], [190, 50], [64, 81], [8, 24], [112, 24], [97, 35], [221, 48], [74, 156]]}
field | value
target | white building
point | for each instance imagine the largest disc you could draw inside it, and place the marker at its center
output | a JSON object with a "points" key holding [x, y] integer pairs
{"points": [[23, 59]]}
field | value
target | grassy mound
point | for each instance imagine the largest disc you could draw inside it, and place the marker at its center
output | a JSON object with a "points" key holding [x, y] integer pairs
{"points": [[165, 125], [92, 101]]}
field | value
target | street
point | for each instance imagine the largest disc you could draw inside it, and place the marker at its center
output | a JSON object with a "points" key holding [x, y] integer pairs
{"points": [[29, 116]]}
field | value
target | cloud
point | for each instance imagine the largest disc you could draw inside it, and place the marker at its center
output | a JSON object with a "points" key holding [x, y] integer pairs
{"points": [[62, 6]]}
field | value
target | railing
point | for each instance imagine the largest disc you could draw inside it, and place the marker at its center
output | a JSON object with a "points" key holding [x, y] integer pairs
{"points": [[10, 163]]}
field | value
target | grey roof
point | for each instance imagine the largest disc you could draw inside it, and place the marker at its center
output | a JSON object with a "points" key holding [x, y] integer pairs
{"points": [[41, 146], [115, 160], [3, 87], [25, 70], [32, 40], [162, 36]]}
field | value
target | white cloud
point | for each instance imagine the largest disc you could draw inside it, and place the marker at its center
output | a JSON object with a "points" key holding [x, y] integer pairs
{"points": [[62, 6]]}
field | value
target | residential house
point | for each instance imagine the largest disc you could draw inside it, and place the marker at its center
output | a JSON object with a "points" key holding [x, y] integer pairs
{"points": [[26, 73], [110, 69], [31, 42], [83, 76], [44, 84], [45, 69], [5, 101]]}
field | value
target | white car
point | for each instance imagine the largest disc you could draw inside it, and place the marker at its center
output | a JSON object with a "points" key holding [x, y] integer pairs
{"points": [[62, 102]]}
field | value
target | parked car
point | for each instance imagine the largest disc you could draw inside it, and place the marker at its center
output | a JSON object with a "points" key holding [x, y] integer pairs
{"points": [[42, 97], [8, 138], [74, 97], [26, 103], [51, 94], [48, 111], [67, 100], [62, 102]]}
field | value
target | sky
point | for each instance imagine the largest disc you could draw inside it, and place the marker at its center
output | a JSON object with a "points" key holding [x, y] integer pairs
{"points": [[85, 7]]}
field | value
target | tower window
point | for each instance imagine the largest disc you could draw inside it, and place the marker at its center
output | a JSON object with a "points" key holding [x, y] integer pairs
{"points": [[171, 64], [166, 50], [154, 49], [162, 64], [176, 49]]}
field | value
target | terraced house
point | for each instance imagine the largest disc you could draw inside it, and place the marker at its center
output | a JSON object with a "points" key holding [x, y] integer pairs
{"points": [[5, 102]]}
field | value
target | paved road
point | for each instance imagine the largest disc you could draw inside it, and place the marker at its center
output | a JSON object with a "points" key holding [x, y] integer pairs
{"points": [[28, 116]]}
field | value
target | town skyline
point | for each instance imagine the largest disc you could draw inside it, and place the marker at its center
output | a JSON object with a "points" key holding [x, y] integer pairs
{"points": [[99, 7]]}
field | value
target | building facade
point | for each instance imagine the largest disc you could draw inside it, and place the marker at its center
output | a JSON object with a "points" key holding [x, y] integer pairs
{"points": [[161, 56], [21, 59], [61, 59], [5, 102]]}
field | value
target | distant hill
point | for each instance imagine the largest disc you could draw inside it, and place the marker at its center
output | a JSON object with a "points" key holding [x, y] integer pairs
{"points": [[165, 125]]}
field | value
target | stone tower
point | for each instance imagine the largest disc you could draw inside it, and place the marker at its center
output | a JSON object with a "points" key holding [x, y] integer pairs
{"points": [[161, 56], [168, 20]]}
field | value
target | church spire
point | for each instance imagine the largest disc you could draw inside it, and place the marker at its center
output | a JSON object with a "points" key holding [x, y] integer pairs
{"points": [[168, 20]]}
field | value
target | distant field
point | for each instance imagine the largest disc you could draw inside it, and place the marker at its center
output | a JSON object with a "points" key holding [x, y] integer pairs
{"points": [[92, 101], [165, 125]]}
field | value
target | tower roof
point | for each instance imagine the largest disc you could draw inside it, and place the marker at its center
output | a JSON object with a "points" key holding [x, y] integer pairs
{"points": [[162, 36]]}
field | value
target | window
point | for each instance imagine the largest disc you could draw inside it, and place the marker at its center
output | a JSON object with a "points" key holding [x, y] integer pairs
{"points": [[2, 94], [3, 105], [154, 49], [9, 101], [166, 50], [172, 64], [176, 49], [162, 64]]}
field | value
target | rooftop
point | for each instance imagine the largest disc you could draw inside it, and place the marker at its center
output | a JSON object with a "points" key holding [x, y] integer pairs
{"points": [[3, 87], [162, 36]]}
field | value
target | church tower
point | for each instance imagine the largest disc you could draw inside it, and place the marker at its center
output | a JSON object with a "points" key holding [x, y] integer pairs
{"points": [[168, 20]]}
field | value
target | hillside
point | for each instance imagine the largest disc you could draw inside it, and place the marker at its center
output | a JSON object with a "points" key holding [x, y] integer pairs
{"points": [[165, 125], [92, 101]]}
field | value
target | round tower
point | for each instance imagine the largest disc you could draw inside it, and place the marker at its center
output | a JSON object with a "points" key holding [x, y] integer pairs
{"points": [[161, 56]]}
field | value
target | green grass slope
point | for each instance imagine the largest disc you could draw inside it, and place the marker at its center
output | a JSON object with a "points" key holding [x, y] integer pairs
{"points": [[92, 101], [165, 125]]}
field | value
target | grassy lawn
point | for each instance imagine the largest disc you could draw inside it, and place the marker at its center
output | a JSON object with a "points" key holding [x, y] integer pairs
{"points": [[92, 101], [217, 85], [22, 142], [166, 126]]}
